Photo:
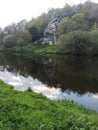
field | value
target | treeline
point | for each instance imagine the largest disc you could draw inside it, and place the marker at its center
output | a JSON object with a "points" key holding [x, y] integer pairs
{"points": [[23, 33], [77, 31]]}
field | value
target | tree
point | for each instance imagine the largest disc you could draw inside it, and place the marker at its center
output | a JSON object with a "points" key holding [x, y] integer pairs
{"points": [[93, 15], [23, 37], [22, 25], [80, 21], [77, 22], [65, 26], [34, 32], [9, 41], [75, 42], [87, 6], [10, 29], [68, 10], [40, 23]]}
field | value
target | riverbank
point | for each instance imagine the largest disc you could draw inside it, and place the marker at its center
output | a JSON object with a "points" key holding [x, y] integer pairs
{"points": [[73, 43], [28, 110], [36, 49]]}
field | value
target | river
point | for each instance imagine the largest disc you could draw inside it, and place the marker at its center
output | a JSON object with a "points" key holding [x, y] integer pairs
{"points": [[57, 77]]}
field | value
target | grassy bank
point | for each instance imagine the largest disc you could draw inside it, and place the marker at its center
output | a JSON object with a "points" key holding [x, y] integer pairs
{"points": [[30, 111], [37, 49]]}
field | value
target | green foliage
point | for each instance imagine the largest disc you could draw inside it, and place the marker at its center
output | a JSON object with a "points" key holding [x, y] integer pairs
{"points": [[43, 49], [65, 26], [77, 22], [40, 23], [79, 42], [23, 24], [95, 26], [10, 29], [80, 21], [82, 17], [34, 32], [78, 34], [93, 15], [23, 37], [9, 41], [27, 110]]}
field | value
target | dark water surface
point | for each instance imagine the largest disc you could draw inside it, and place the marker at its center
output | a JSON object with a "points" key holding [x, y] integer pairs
{"points": [[62, 77]]}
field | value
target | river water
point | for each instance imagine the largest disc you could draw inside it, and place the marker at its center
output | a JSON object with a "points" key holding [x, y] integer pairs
{"points": [[60, 77]]}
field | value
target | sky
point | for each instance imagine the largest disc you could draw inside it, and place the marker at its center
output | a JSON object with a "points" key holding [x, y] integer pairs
{"points": [[13, 11]]}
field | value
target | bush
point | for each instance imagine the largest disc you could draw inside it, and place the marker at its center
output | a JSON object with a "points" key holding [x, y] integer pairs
{"points": [[79, 42], [9, 41]]}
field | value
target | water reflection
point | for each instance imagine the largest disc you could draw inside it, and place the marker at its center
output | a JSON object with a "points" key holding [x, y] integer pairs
{"points": [[71, 77]]}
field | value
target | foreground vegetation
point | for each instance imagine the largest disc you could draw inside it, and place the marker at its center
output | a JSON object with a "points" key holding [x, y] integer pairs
{"points": [[30, 111]]}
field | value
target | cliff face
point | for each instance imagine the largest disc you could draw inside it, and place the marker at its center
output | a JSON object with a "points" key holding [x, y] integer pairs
{"points": [[50, 31]]}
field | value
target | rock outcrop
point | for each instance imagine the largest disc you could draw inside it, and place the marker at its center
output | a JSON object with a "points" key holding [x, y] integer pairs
{"points": [[50, 31]]}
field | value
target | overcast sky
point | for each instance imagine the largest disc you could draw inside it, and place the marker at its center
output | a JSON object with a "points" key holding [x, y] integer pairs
{"points": [[16, 10]]}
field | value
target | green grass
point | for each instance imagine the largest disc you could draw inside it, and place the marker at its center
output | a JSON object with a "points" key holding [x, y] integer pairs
{"points": [[42, 49], [31, 111]]}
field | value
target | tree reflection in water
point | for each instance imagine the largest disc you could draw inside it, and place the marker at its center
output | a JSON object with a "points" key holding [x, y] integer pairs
{"points": [[64, 75]]}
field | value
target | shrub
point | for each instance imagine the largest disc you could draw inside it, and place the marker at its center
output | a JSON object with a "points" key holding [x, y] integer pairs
{"points": [[79, 42], [9, 41]]}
